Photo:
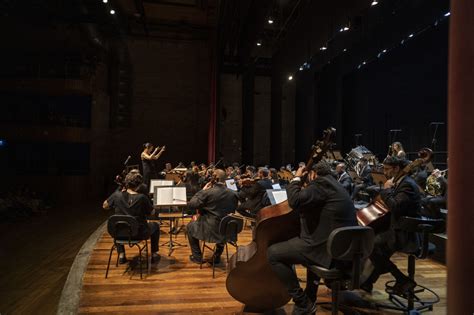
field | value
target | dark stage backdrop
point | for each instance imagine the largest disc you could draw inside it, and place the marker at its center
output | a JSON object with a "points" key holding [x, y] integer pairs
{"points": [[405, 89]]}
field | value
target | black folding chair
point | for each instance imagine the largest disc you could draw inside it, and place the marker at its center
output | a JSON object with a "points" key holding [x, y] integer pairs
{"points": [[125, 230], [229, 227], [350, 246]]}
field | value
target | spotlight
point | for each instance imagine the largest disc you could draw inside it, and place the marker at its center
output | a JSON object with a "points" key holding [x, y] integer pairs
{"points": [[363, 63], [375, 2], [105, 1], [410, 36], [345, 49], [341, 30], [323, 48], [384, 51], [346, 28], [270, 21], [259, 43], [301, 68], [112, 12], [447, 14], [290, 78]]}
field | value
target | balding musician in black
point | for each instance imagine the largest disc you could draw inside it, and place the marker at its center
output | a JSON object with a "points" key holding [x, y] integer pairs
{"points": [[214, 202]]}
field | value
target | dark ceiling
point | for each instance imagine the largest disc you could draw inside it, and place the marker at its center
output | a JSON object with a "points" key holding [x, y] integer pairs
{"points": [[232, 26]]}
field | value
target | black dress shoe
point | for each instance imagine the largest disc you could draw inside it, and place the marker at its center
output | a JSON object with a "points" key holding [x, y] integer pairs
{"points": [[123, 260], [307, 309], [367, 287], [196, 260], [217, 260], [401, 287], [155, 258]]}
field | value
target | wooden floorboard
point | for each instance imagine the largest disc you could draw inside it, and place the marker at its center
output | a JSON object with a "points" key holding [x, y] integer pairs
{"points": [[36, 254], [177, 286]]}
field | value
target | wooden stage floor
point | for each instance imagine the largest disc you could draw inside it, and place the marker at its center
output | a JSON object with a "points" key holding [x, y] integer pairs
{"points": [[177, 286]]}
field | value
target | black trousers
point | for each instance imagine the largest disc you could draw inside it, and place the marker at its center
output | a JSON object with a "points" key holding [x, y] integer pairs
{"points": [[385, 245], [196, 249], [282, 256], [154, 231], [356, 190]]}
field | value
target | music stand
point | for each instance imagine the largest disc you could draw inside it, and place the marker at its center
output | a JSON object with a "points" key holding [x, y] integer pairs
{"points": [[337, 155], [276, 195], [170, 196], [378, 178], [159, 183]]}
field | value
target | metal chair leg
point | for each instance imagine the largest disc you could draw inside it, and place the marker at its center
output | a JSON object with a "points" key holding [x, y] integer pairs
{"points": [[110, 257], [140, 261], [335, 297], [227, 252], [202, 253], [214, 261]]}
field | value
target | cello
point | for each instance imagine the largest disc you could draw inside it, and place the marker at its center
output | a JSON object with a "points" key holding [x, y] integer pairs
{"points": [[250, 279], [375, 214]]}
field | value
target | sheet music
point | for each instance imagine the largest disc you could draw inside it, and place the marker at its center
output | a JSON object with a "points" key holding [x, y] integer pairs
{"points": [[158, 183], [280, 196], [276, 195], [276, 186], [230, 183], [166, 196]]}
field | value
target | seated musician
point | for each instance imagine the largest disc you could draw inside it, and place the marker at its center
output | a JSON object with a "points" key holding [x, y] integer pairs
{"points": [[363, 171], [168, 168], [253, 195], [343, 178], [274, 176], [130, 202], [323, 206], [214, 202], [398, 151], [436, 195], [403, 199]]}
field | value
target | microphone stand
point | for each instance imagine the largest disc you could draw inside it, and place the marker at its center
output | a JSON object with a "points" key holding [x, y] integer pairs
{"points": [[357, 136], [433, 141]]}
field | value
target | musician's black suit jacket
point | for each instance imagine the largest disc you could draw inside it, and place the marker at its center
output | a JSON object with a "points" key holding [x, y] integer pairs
{"points": [[323, 206], [213, 204], [402, 200]]}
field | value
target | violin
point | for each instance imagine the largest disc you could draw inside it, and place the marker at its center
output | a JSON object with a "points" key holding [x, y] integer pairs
{"points": [[247, 182], [285, 175]]}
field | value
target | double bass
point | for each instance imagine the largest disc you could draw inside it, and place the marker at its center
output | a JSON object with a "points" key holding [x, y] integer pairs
{"points": [[250, 278], [376, 213]]}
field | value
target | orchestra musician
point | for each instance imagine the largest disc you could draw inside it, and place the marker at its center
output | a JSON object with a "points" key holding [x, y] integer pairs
{"points": [[323, 206], [363, 171], [252, 195], [436, 195], [148, 157], [397, 150], [343, 178], [403, 199], [214, 202], [131, 202]]}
